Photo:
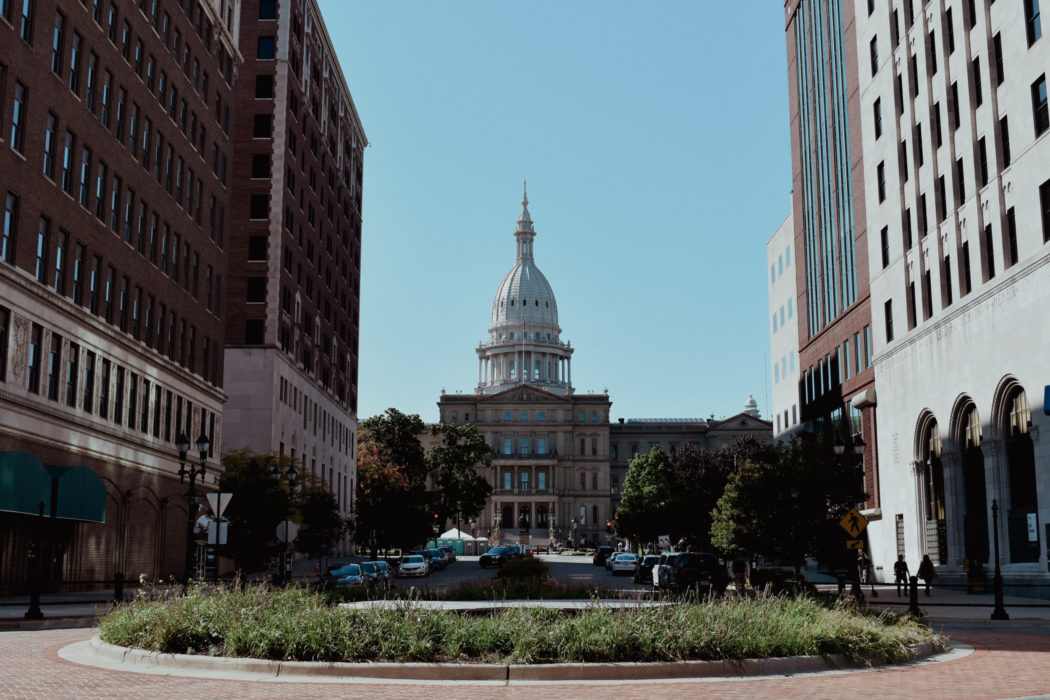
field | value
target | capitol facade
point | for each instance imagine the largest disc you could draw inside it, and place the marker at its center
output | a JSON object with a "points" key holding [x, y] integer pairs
{"points": [[558, 459]]}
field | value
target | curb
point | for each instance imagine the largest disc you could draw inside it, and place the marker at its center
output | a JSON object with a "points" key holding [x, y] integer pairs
{"points": [[49, 623], [187, 664]]}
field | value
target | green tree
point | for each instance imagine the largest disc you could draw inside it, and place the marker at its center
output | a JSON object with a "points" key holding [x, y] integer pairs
{"points": [[394, 508], [461, 489], [322, 527], [259, 503], [644, 512]]}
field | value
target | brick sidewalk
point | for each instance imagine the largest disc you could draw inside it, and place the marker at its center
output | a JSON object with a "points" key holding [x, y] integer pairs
{"points": [[1004, 665]]}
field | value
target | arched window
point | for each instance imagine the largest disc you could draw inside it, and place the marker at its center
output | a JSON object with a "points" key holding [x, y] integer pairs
{"points": [[1021, 517]]}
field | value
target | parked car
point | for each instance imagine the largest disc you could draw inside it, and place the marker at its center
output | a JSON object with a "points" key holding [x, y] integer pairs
{"points": [[436, 558], [644, 571], [449, 554], [611, 558], [347, 575], [662, 569], [698, 570], [386, 572], [601, 554], [498, 556], [624, 563], [413, 565], [376, 574]]}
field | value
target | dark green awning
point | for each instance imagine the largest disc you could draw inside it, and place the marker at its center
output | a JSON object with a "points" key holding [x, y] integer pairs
{"points": [[24, 484], [80, 494]]}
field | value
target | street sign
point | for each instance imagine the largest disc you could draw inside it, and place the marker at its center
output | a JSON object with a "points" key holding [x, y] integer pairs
{"points": [[218, 502], [853, 522], [292, 531], [664, 540], [854, 544]]}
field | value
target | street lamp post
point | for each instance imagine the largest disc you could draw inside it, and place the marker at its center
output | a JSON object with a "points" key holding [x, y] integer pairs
{"points": [[182, 442], [283, 577], [35, 555], [997, 583]]}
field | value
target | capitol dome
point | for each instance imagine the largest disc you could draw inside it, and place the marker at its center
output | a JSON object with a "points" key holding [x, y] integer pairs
{"points": [[524, 294], [524, 344]]}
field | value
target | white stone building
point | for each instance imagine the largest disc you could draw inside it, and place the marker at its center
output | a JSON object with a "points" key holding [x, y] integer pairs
{"points": [[783, 328], [956, 140]]}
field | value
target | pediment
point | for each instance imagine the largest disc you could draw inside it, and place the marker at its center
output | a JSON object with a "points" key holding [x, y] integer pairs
{"points": [[524, 394], [742, 421]]}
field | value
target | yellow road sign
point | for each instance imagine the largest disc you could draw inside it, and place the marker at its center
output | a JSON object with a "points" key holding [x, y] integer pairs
{"points": [[854, 544], [853, 522]]}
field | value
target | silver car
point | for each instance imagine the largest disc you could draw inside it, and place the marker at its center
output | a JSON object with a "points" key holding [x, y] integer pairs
{"points": [[413, 565]]}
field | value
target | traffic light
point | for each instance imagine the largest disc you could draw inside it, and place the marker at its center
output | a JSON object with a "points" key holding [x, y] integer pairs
{"points": [[608, 526]]}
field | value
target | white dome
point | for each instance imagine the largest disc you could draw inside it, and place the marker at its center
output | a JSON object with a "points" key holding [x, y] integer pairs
{"points": [[524, 292]]}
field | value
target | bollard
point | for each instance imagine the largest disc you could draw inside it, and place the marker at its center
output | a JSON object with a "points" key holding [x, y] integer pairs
{"points": [[118, 586], [913, 597]]}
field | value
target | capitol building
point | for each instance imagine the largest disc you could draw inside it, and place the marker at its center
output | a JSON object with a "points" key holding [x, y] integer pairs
{"points": [[558, 459]]}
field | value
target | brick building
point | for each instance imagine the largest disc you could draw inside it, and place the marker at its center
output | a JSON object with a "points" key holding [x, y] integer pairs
{"points": [[294, 248], [115, 169]]}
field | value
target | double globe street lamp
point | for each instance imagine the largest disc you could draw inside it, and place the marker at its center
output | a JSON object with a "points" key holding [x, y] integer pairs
{"points": [[182, 443]]}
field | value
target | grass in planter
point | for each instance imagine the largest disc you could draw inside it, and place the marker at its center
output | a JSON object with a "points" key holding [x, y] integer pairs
{"points": [[292, 624]]}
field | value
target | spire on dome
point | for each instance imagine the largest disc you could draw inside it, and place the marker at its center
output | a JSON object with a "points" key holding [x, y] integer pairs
{"points": [[524, 220]]}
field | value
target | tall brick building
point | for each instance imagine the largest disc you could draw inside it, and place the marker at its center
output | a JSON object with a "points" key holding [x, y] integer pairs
{"points": [[115, 171], [295, 247]]}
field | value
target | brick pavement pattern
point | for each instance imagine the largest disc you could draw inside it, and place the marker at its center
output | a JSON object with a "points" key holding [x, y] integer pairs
{"points": [[1004, 665]]}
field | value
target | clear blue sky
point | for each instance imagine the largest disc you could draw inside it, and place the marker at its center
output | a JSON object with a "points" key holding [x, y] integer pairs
{"points": [[655, 140]]}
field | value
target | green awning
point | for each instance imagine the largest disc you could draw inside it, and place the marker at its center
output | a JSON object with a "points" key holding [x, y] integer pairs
{"points": [[79, 494], [24, 484]]}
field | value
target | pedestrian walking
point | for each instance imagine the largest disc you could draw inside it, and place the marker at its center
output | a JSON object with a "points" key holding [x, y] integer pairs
{"points": [[900, 574], [927, 572], [740, 575]]}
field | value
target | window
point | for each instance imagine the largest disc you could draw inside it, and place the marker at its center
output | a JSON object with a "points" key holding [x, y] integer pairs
{"points": [[50, 145], [967, 284], [259, 206], [960, 178], [906, 226], [74, 62], [25, 20], [956, 118], [1033, 27], [256, 290], [877, 116], [1044, 209], [997, 50], [54, 367], [68, 161], [888, 310], [933, 53], [874, 50], [946, 280], [266, 47], [1011, 236], [885, 236], [60, 262], [103, 390], [268, 9], [989, 251], [254, 331], [982, 159], [942, 200], [72, 374], [89, 382], [8, 236], [950, 29], [262, 125], [18, 117], [58, 34], [77, 293], [1039, 112], [264, 87], [1004, 132], [978, 96], [937, 138], [261, 165], [36, 341], [43, 242], [880, 175]]}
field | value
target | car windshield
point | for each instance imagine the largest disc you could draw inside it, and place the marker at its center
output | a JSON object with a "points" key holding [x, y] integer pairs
{"points": [[414, 559], [348, 570], [626, 557]]}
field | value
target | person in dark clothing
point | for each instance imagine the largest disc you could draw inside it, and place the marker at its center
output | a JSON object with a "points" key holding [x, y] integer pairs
{"points": [[900, 574], [927, 572]]}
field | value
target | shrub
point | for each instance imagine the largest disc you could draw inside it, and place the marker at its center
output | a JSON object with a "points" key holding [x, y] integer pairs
{"points": [[524, 568]]}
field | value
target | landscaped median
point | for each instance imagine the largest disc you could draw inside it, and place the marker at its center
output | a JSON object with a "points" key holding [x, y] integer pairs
{"points": [[297, 625]]}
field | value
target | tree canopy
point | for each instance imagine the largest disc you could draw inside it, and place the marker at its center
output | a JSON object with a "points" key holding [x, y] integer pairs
{"points": [[461, 490]]}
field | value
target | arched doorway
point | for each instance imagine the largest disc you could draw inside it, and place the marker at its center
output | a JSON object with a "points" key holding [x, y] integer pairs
{"points": [[1022, 527], [975, 517], [935, 518], [507, 517]]}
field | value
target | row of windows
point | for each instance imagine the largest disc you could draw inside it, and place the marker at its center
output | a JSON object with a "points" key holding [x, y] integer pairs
{"points": [[63, 372], [783, 366], [987, 243], [67, 267], [783, 261], [335, 431], [780, 318], [782, 420], [852, 357]]}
